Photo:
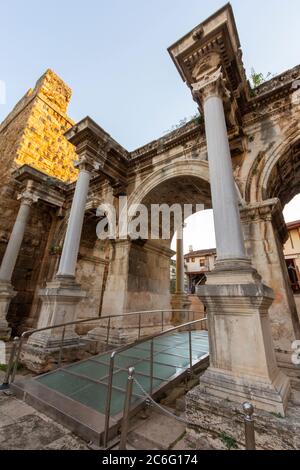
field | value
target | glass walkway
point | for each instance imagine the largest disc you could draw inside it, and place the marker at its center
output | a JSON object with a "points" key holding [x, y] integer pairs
{"points": [[79, 391]]}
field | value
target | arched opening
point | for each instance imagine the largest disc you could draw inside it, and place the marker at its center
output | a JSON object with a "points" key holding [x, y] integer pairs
{"points": [[147, 262], [199, 249], [272, 183], [284, 183]]}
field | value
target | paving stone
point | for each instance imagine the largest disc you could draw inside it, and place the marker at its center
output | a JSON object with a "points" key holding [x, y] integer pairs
{"points": [[28, 433], [15, 408], [5, 420], [67, 442], [157, 432]]}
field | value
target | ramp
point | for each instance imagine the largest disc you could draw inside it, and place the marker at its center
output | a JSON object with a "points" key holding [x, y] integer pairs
{"points": [[76, 395]]}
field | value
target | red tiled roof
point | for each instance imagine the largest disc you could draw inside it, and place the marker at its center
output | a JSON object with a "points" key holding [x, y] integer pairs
{"points": [[292, 225], [194, 254]]}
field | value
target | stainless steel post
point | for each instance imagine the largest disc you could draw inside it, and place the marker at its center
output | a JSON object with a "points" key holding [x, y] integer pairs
{"points": [[249, 426], [190, 350], [108, 332], [151, 366], [140, 320], [10, 363], [108, 398], [126, 412], [61, 346]]}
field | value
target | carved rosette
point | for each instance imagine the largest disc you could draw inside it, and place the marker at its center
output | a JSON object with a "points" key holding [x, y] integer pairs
{"points": [[210, 86]]}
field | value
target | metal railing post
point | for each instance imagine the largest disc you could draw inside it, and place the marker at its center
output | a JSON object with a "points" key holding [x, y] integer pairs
{"points": [[108, 399], [140, 320], [162, 320], [10, 364], [249, 426], [151, 366], [190, 349], [61, 346], [108, 333], [126, 412]]}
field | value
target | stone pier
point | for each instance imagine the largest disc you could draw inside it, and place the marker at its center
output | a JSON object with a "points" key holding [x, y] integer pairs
{"points": [[62, 295]]}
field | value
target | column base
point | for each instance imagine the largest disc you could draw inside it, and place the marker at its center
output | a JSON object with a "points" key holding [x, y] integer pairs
{"points": [[242, 357], [59, 301], [41, 359], [7, 293], [125, 330], [5, 350], [180, 301], [268, 396]]}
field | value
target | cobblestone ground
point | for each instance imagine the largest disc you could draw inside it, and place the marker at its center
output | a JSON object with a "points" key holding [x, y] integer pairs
{"points": [[24, 428]]}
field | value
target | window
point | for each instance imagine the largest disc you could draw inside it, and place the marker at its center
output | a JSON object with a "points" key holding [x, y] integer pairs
{"points": [[202, 262], [193, 260]]}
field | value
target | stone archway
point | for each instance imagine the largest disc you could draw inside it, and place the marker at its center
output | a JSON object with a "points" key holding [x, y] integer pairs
{"points": [[180, 169], [139, 274], [273, 181], [274, 170]]}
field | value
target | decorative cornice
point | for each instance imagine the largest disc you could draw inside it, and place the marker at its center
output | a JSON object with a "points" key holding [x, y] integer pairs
{"points": [[46, 188]]}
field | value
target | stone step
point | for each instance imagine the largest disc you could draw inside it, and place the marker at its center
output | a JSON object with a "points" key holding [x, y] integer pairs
{"points": [[157, 432]]}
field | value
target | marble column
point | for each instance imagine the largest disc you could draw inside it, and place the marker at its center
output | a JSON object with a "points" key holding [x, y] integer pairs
{"points": [[229, 235], [180, 300], [68, 260], [179, 266], [242, 358], [10, 258], [62, 295]]}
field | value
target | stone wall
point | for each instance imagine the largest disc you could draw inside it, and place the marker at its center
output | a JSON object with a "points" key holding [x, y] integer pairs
{"points": [[33, 134]]}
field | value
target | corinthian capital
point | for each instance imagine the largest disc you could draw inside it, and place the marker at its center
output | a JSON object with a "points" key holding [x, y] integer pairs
{"points": [[28, 198], [211, 85], [87, 164]]}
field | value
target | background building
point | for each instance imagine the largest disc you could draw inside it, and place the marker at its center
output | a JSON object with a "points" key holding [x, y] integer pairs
{"points": [[197, 264], [292, 254]]}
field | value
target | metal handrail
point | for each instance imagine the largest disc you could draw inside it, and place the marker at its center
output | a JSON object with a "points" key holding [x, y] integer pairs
{"points": [[138, 342], [18, 342]]}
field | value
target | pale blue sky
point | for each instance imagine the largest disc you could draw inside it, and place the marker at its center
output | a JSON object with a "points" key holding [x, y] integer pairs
{"points": [[113, 54]]}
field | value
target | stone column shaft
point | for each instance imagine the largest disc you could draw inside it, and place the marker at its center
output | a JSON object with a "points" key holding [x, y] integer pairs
{"points": [[179, 266], [15, 242], [68, 260], [229, 236], [10, 258]]}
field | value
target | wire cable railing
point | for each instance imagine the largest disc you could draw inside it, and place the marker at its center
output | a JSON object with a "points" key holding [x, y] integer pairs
{"points": [[248, 414]]}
